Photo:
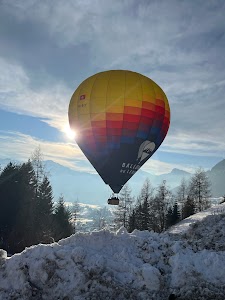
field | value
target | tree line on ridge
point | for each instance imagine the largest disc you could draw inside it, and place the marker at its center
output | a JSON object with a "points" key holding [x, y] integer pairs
{"points": [[29, 215]]}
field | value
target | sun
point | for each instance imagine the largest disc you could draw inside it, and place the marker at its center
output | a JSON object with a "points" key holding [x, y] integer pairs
{"points": [[70, 134]]}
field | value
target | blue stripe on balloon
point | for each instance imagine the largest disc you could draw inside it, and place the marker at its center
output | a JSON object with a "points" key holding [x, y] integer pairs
{"points": [[142, 134], [127, 139], [113, 145], [155, 130]]}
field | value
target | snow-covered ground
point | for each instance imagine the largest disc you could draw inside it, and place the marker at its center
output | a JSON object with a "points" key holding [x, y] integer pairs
{"points": [[184, 225], [106, 265]]}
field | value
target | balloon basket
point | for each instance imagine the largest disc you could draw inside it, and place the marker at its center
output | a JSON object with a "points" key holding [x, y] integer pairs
{"points": [[113, 201]]}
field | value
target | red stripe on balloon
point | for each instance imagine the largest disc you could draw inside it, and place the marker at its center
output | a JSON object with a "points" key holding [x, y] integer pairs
{"points": [[147, 113], [99, 131], [130, 125], [114, 124], [160, 109], [131, 118], [114, 131], [146, 120]]}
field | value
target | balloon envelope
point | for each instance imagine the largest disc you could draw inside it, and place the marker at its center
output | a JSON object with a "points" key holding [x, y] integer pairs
{"points": [[120, 119]]}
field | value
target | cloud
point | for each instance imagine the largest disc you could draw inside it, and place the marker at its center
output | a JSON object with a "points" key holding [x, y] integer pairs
{"points": [[204, 145], [21, 146], [149, 34], [16, 95], [179, 44]]}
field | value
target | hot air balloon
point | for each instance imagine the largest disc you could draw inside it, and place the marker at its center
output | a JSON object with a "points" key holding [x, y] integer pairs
{"points": [[121, 118]]}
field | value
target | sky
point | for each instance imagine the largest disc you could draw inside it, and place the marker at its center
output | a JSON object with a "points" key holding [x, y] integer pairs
{"points": [[47, 48]]}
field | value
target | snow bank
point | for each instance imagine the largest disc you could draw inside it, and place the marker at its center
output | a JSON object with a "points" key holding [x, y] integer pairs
{"points": [[86, 266], [106, 265], [184, 225]]}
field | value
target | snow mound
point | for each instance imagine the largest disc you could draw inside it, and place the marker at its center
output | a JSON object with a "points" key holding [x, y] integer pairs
{"points": [[208, 234], [106, 265], [184, 225]]}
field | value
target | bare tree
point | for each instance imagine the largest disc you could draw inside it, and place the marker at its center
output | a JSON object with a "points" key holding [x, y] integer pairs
{"points": [[160, 206], [146, 218], [123, 210], [181, 195], [75, 212], [101, 218], [200, 190], [37, 162]]}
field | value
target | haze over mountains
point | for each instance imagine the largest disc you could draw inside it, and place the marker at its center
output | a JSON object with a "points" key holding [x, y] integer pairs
{"points": [[90, 188], [217, 178]]}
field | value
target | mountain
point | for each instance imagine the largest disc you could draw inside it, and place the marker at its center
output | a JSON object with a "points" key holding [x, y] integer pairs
{"points": [[90, 188], [217, 178], [76, 186], [173, 178]]}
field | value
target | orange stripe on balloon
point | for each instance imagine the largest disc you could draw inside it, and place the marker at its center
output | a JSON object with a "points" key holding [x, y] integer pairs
{"points": [[114, 116], [167, 114], [98, 117], [148, 105], [148, 98], [98, 124], [160, 102], [132, 110]]}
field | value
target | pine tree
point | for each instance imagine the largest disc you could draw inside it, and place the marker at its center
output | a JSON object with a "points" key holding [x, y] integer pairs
{"points": [[145, 198], [132, 224], [9, 202], [141, 216], [18, 206], [44, 200], [62, 217], [176, 214], [25, 230], [169, 217], [188, 208], [138, 216]]}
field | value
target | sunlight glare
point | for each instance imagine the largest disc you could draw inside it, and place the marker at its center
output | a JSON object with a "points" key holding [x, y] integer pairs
{"points": [[69, 132]]}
